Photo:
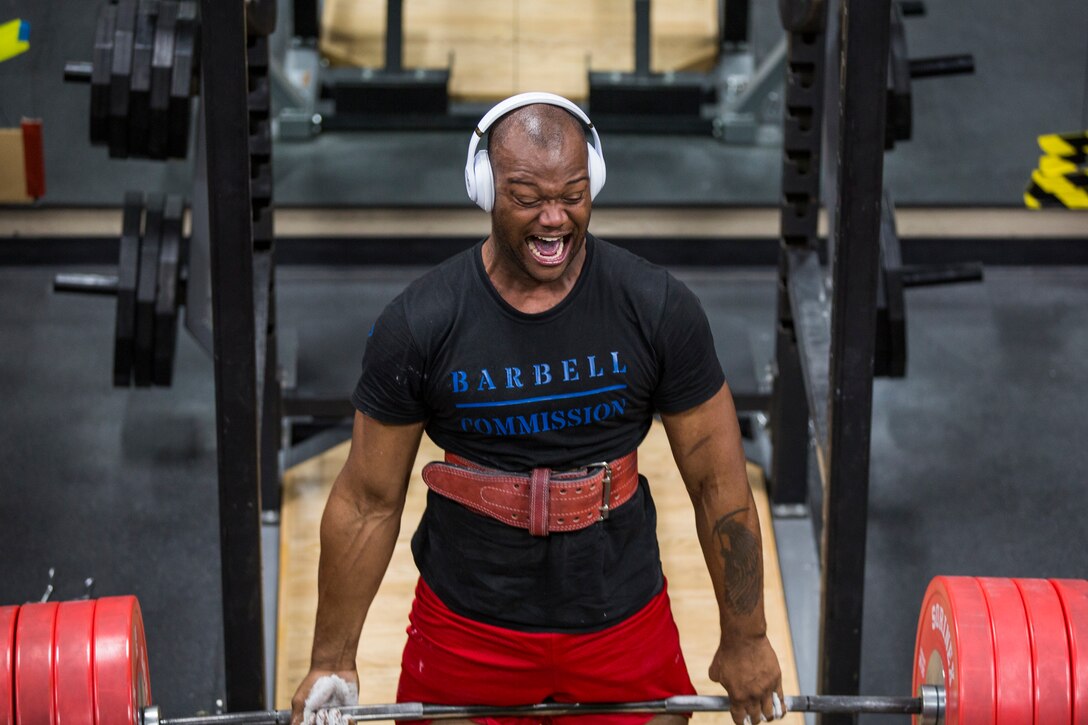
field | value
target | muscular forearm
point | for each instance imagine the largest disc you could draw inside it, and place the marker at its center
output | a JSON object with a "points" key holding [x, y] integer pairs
{"points": [[706, 444], [728, 526], [357, 540]]}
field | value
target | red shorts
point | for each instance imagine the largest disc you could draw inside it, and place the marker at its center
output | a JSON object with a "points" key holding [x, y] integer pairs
{"points": [[452, 660]]}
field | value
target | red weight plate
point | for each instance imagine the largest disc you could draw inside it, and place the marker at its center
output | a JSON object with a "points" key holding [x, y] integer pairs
{"points": [[34, 664], [1012, 652], [1074, 596], [954, 648], [1049, 651], [74, 668], [8, 618], [122, 685]]}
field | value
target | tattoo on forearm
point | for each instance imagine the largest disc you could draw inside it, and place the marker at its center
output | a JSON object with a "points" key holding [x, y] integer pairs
{"points": [[743, 562]]}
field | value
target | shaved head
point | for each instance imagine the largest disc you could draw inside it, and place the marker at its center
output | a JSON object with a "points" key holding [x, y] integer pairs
{"points": [[540, 125]]}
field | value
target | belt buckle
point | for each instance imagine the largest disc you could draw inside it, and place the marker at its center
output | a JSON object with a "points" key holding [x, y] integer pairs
{"points": [[606, 486]]}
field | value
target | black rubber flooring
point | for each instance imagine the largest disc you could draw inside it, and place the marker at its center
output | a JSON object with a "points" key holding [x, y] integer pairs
{"points": [[978, 461]]}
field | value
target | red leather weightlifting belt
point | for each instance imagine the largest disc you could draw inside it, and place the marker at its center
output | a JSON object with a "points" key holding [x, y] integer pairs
{"points": [[543, 500]]}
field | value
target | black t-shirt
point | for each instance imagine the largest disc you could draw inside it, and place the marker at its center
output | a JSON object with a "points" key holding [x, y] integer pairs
{"points": [[564, 388]]}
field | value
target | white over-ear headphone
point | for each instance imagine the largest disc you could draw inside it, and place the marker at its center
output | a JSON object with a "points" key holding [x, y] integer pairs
{"points": [[479, 180]]}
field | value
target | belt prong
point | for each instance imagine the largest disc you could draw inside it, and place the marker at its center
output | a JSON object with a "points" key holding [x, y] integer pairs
{"points": [[606, 485]]}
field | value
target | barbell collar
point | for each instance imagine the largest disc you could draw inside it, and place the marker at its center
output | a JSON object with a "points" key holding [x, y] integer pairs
{"points": [[932, 698], [929, 705]]}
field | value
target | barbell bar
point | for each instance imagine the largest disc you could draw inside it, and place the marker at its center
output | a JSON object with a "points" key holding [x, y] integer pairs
{"points": [[987, 651], [928, 706]]}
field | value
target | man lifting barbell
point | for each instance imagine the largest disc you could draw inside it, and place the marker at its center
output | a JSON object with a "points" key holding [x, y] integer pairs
{"points": [[537, 360]]}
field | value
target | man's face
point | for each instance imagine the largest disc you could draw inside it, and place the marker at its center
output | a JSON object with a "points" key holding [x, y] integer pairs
{"points": [[542, 205]]}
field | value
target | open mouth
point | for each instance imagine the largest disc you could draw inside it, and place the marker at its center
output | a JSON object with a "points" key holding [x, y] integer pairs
{"points": [[549, 251]]}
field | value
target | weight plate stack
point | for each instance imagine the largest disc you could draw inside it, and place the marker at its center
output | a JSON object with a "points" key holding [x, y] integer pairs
{"points": [[143, 76]]}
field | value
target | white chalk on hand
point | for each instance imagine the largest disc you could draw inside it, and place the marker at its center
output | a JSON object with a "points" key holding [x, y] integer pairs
{"points": [[329, 691]]}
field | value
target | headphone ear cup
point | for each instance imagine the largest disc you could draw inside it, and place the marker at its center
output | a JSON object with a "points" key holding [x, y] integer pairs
{"points": [[597, 171], [484, 181]]}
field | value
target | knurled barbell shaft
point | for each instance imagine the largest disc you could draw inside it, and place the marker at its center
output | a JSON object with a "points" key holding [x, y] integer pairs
{"points": [[680, 704]]}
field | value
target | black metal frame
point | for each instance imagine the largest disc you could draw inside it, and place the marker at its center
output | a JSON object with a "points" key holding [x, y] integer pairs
{"points": [[801, 164], [859, 150], [827, 348], [237, 357]]}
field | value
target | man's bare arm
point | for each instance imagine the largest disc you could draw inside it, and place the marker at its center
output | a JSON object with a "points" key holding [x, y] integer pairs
{"points": [[706, 444], [358, 532]]}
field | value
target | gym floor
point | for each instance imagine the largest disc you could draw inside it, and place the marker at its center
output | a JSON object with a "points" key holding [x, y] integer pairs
{"points": [[977, 461]]}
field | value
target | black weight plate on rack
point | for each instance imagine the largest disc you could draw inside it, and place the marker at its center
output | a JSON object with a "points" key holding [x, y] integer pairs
{"points": [[139, 112], [128, 271], [120, 78], [147, 290], [162, 70], [167, 302], [181, 81], [102, 63]]}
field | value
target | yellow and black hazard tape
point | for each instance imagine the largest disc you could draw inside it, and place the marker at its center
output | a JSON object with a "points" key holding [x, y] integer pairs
{"points": [[1061, 180], [1067, 146]]}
